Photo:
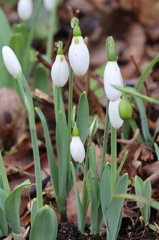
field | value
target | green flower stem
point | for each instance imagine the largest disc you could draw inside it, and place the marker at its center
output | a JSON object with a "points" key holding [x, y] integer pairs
{"points": [[28, 102], [69, 115], [56, 94], [51, 31], [113, 159], [105, 139], [136, 94], [30, 37], [4, 176]]}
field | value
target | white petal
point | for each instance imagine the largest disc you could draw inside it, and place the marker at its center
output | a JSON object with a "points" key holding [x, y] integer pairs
{"points": [[60, 71], [49, 4], [112, 76], [114, 116], [79, 56], [77, 149], [25, 8], [11, 61]]}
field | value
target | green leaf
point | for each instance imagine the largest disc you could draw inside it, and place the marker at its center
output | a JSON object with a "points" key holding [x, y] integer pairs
{"points": [[58, 101], [11, 207], [147, 192], [113, 215], [93, 84], [144, 75], [40, 77], [51, 157], [3, 224], [44, 225], [80, 215], [17, 45], [62, 152], [105, 188], [34, 210], [151, 202], [5, 29], [156, 150], [83, 116], [99, 93]]}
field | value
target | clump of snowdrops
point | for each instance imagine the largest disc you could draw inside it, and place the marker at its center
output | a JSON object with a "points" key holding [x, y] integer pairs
{"points": [[104, 193]]}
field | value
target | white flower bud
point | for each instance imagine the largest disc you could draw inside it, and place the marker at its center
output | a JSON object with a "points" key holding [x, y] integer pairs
{"points": [[112, 76], [77, 149], [60, 71], [114, 116], [25, 9], [11, 61], [79, 56], [48, 4]]}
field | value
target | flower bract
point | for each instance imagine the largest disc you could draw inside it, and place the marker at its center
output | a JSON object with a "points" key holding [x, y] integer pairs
{"points": [[77, 149], [113, 110], [60, 71], [79, 56], [24, 9], [11, 61], [112, 76]]}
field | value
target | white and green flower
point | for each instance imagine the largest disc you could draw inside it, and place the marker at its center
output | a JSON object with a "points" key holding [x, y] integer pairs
{"points": [[25, 9], [113, 111], [11, 61]]}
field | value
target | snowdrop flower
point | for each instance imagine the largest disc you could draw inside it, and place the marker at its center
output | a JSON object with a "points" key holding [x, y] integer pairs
{"points": [[76, 146], [60, 69], [48, 4], [24, 9], [112, 74], [113, 111], [11, 61], [78, 52]]}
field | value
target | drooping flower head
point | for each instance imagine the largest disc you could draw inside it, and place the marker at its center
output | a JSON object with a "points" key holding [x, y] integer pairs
{"points": [[48, 4], [113, 110], [112, 74], [25, 9], [78, 52], [11, 61], [60, 69], [76, 146]]}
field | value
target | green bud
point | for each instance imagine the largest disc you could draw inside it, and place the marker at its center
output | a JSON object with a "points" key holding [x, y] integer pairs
{"points": [[110, 48], [75, 132], [125, 108]]}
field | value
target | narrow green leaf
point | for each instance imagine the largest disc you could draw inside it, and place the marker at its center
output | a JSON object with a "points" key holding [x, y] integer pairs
{"points": [[51, 157], [144, 124], [5, 29], [34, 210], [44, 225], [80, 216], [3, 224], [58, 101], [144, 75], [17, 45], [134, 127], [62, 152], [83, 116], [157, 150], [11, 207], [105, 188], [114, 213], [147, 192], [40, 78]]}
